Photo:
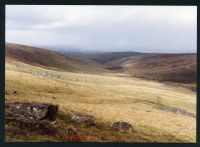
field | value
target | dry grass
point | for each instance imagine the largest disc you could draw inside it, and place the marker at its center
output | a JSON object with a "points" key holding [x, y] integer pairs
{"points": [[109, 98], [179, 68]]}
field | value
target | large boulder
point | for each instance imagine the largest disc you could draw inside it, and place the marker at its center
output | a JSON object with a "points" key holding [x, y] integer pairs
{"points": [[122, 126], [31, 111]]}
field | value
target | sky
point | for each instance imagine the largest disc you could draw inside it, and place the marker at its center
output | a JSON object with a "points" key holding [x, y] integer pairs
{"points": [[104, 28]]}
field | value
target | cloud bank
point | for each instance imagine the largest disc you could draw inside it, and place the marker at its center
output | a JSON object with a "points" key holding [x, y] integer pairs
{"points": [[105, 28]]}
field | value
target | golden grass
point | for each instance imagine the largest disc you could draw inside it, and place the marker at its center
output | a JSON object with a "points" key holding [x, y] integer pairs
{"points": [[109, 98]]}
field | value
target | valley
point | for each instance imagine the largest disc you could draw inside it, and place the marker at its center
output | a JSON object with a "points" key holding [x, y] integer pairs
{"points": [[158, 111]]}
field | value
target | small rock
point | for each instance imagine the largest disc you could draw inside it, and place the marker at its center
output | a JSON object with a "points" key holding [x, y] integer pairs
{"points": [[18, 107], [73, 135], [122, 126], [71, 130], [35, 109], [53, 123], [82, 118], [88, 120], [15, 92]]}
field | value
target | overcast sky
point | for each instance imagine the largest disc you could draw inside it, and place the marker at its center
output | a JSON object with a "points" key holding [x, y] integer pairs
{"points": [[105, 28]]}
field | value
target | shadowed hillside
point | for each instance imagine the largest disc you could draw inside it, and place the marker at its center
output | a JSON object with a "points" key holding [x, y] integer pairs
{"points": [[106, 57], [50, 59], [101, 57], [180, 68], [163, 67]]}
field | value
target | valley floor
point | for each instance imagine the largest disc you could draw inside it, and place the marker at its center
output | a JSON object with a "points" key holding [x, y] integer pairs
{"points": [[158, 112]]}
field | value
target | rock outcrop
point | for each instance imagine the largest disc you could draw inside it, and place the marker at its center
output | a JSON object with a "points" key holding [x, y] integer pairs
{"points": [[31, 111]]}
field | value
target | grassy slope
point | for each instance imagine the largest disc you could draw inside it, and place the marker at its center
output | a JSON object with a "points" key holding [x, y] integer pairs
{"points": [[51, 59], [179, 68], [109, 98]]}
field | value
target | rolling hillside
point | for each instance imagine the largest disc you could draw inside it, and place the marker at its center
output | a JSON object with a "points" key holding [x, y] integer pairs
{"points": [[157, 111], [163, 67], [179, 68], [51, 59]]}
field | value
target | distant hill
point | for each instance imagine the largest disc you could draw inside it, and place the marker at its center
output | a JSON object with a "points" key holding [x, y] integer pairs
{"points": [[180, 68], [91, 55], [50, 59], [107, 57]]}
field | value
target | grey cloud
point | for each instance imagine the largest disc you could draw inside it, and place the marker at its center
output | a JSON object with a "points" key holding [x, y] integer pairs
{"points": [[125, 29]]}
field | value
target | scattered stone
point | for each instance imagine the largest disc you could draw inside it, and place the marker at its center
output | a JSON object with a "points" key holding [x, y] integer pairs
{"points": [[122, 126], [15, 92], [53, 123], [41, 127], [71, 130], [88, 120], [73, 135], [176, 110], [82, 118], [31, 111]]}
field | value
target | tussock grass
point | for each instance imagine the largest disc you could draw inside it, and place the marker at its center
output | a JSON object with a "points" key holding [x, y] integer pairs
{"points": [[110, 98]]}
